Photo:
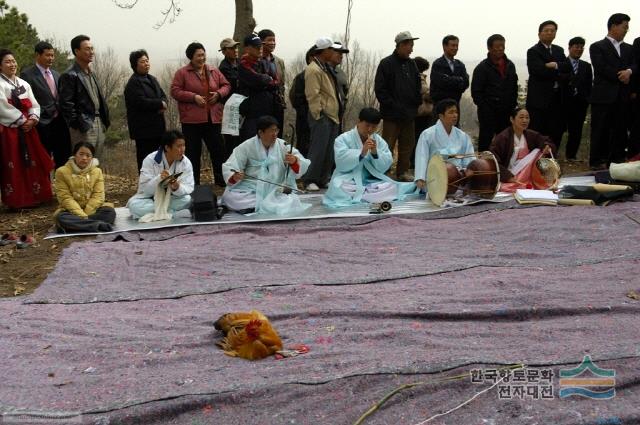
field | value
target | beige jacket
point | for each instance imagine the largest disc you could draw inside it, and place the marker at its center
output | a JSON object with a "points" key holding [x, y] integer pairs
{"points": [[320, 92], [80, 192]]}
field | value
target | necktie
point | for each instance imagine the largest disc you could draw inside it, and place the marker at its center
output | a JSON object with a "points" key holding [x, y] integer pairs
{"points": [[575, 67], [51, 83]]}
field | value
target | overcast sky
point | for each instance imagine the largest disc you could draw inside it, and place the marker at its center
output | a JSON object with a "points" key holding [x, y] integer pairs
{"points": [[297, 23]]}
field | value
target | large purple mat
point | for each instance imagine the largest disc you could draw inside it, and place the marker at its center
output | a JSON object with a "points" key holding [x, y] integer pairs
{"points": [[379, 304]]}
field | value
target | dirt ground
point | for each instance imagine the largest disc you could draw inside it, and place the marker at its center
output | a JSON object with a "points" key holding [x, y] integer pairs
{"points": [[22, 270]]}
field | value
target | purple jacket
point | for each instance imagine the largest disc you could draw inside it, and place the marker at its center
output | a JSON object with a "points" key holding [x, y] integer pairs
{"points": [[187, 84]]}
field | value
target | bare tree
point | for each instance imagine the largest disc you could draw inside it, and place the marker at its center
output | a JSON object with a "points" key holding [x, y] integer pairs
{"points": [[111, 74]]}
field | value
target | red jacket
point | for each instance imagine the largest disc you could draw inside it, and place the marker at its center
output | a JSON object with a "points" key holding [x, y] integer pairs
{"points": [[187, 84]]}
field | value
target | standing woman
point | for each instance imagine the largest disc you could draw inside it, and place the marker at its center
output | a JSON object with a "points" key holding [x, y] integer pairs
{"points": [[146, 104], [200, 90], [24, 163]]}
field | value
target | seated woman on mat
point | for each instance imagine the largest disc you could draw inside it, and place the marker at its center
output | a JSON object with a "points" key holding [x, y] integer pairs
{"points": [[517, 149], [362, 158], [442, 138], [253, 168], [159, 196], [79, 187]]}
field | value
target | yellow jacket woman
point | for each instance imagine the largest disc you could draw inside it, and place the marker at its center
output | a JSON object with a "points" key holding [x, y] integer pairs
{"points": [[79, 187]]}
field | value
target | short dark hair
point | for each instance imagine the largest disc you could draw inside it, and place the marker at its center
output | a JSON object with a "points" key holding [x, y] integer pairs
{"points": [[134, 56], [515, 111], [442, 106], [77, 41], [266, 121], [87, 145], [370, 115], [191, 49], [170, 137], [577, 40], [5, 52], [42, 46], [266, 33], [545, 23], [492, 39], [308, 57], [617, 19], [422, 64], [448, 38]]}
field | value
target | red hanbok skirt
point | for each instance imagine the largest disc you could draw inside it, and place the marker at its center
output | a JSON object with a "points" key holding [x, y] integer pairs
{"points": [[24, 185]]}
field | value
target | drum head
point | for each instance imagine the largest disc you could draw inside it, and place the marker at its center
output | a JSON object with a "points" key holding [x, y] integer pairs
{"points": [[545, 174], [437, 180], [483, 176]]}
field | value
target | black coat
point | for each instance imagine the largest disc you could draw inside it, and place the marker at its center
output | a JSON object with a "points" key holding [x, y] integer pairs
{"points": [[75, 102], [540, 89], [606, 64], [230, 72], [143, 98], [49, 105], [397, 88], [579, 85], [636, 74], [260, 88], [490, 91], [447, 84]]}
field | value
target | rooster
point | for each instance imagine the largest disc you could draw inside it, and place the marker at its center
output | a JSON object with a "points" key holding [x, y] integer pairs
{"points": [[248, 335]]}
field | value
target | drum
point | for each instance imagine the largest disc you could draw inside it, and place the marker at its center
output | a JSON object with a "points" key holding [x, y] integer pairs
{"points": [[545, 174], [437, 180], [483, 176]]}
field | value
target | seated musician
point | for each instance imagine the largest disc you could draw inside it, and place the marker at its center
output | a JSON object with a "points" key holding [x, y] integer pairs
{"points": [[362, 158], [79, 187], [157, 195], [517, 149], [442, 138], [253, 168]]}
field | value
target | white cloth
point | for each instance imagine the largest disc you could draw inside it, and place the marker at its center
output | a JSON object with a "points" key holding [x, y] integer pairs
{"points": [[255, 160], [373, 192], [231, 118], [518, 144], [161, 201], [435, 140], [10, 115]]}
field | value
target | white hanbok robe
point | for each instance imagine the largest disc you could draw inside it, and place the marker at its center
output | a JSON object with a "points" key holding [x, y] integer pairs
{"points": [[357, 179], [435, 140], [252, 158], [142, 204]]}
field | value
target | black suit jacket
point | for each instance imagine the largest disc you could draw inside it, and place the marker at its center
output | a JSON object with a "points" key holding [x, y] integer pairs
{"points": [[579, 85], [447, 84], [606, 64], [540, 89], [49, 104], [636, 73], [143, 97], [77, 107]]}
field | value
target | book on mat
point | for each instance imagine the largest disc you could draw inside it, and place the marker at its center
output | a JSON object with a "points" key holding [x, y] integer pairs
{"points": [[532, 196]]}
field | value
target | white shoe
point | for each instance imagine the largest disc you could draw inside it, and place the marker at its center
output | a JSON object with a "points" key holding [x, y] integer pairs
{"points": [[312, 187]]}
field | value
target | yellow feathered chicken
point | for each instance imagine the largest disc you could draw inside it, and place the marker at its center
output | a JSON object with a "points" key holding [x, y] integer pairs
{"points": [[248, 335]]}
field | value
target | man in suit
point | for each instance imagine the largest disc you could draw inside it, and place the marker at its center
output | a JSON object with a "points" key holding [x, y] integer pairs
{"points": [[52, 129], [449, 78], [635, 96], [613, 66], [83, 106], [548, 71], [577, 92]]}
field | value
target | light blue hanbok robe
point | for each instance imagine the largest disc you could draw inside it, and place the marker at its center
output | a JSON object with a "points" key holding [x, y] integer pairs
{"points": [[435, 140], [254, 159], [361, 171]]}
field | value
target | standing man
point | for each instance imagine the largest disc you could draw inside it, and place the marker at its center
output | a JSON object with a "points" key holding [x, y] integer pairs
{"points": [[635, 98], [275, 66], [613, 66], [260, 87], [324, 120], [449, 78], [578, 92], [83, 106], [339, 78], [397, 88], [494, 88], [52, 128], [548, 72], [229, 68]]}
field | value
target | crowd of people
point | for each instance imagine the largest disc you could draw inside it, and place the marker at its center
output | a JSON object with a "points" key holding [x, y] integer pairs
{"points": [[49, 120]]}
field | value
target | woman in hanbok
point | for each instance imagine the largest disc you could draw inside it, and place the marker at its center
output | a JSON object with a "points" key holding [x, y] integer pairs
{"points": [[517, 149], [24, 163], [267, 158], [443, 138]]}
